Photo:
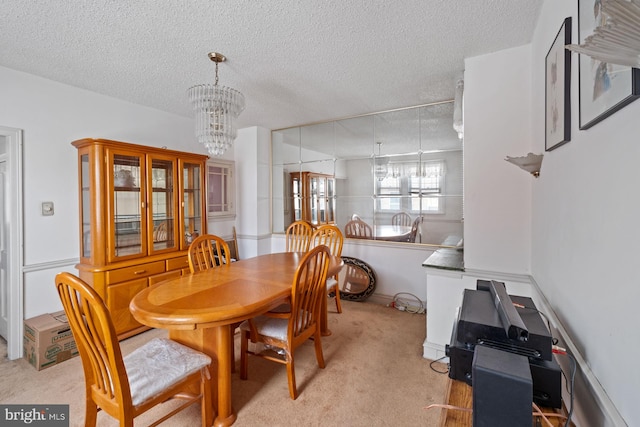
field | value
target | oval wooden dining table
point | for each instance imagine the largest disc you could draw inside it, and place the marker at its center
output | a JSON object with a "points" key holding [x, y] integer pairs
{"points": [[198, 309]]}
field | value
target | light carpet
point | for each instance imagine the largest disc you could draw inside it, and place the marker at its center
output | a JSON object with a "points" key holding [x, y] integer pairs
{"points": [[375, 375]]}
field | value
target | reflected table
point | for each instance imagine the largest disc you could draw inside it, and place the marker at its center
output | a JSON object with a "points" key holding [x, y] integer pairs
{"points": [[392, 233], [198, 310]]}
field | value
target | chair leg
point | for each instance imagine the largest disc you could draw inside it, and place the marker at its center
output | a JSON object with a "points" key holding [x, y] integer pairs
{"points": [[291, 376], [338, 303], [206, 408], [232, 332], [318, 345], [244, 356], [90, 413]]}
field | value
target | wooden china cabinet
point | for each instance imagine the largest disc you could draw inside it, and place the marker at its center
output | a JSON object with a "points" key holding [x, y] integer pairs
{"points": [[313, 197], [140, 208]]}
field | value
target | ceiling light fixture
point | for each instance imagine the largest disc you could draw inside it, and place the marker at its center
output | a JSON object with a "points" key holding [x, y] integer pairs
{"points": [[217, 108], [458, 114], [381, 169]]}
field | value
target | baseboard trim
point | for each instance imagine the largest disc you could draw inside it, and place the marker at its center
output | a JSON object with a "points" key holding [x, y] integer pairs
{"points": [[433, 351], [592, 406]]}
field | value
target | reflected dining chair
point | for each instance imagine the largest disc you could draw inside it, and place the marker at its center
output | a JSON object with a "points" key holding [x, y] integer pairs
{"points": [[330, 236], [160, 232], [298, 236], [358, 229], [414, 229], [401, 218], [125, 387], [300, 324], [208, 251]]}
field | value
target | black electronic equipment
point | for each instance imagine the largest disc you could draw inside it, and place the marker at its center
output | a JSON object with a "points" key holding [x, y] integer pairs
{"points": [[479, 323], [502, 389], [545, 374], [509, 317]]}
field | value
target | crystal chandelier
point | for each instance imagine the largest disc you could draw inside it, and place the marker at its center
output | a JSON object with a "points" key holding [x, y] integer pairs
{"points": [[216, 108], [381, 169]]}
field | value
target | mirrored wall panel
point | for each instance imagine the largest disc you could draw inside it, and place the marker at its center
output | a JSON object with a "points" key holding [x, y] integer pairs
{"points": [[392, 176]]}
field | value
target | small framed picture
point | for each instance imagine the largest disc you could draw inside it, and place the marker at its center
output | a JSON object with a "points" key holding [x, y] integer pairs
{"points": [[558, 90]]}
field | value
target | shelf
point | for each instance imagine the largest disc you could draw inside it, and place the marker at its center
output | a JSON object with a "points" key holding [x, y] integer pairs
{"points": [[617, 41]]}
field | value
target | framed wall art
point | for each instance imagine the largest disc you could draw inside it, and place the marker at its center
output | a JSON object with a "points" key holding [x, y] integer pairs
{"points": [[558, 90], [604, 88]]}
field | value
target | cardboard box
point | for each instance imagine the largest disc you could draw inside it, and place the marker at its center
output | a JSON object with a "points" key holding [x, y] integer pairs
{"points": [[48, 340]]}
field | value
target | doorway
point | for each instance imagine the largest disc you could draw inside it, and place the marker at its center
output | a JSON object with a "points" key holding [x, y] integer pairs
{"points": [[11, 235], [4, 320]]}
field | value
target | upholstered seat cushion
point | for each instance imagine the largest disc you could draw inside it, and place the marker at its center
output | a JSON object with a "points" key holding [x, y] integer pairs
{"points": [[331, 282], [268, 326], [159, 364]]}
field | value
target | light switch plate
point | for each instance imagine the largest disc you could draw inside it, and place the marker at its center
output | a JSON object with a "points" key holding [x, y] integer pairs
{"points": [[47, 208]]}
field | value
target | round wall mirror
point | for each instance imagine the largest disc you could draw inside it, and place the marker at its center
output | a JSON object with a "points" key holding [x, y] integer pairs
{"points": [[357, 280]]}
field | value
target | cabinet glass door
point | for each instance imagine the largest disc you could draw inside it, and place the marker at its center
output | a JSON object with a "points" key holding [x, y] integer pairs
{"points": [[313, 199], [85, 207], [296, 196], [192, 178], [331, 200], [162, 209], [322, 201], [127, 205]]}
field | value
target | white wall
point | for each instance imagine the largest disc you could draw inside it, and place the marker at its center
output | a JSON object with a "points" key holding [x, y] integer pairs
{"points": [[586, 240], [53, 115], [497, 194], [398, 267], [253, 171]]}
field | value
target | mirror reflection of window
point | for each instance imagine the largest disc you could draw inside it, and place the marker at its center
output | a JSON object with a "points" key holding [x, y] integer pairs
{"points": [[407, 160]]}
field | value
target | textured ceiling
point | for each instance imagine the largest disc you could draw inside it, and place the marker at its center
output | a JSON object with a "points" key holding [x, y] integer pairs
{"points": [[295, 61]]}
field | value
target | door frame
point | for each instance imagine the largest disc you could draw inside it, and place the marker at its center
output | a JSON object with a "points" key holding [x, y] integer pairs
{"points": [[13, 197]]}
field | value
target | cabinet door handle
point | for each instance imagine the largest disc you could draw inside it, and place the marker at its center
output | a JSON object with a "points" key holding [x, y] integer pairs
{"points": [[140, 272]]}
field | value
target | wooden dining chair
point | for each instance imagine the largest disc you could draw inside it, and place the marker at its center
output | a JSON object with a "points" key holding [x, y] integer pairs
{"points": [[125, 387], [208, 251], [301, 323], [358, 229], [330, 236], [401, 218], [298, 236]]}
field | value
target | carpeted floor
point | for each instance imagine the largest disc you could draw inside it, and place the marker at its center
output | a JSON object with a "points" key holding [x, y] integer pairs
{"points": [[375, 375]]}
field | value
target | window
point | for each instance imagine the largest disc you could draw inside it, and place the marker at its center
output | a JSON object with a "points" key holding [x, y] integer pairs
{"points": [[425, 187], [412, 186], [220, 189]]}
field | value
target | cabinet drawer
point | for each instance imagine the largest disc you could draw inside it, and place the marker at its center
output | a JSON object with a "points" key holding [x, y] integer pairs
{"points": [[177, 263], [135, 272], [118, 299]]}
